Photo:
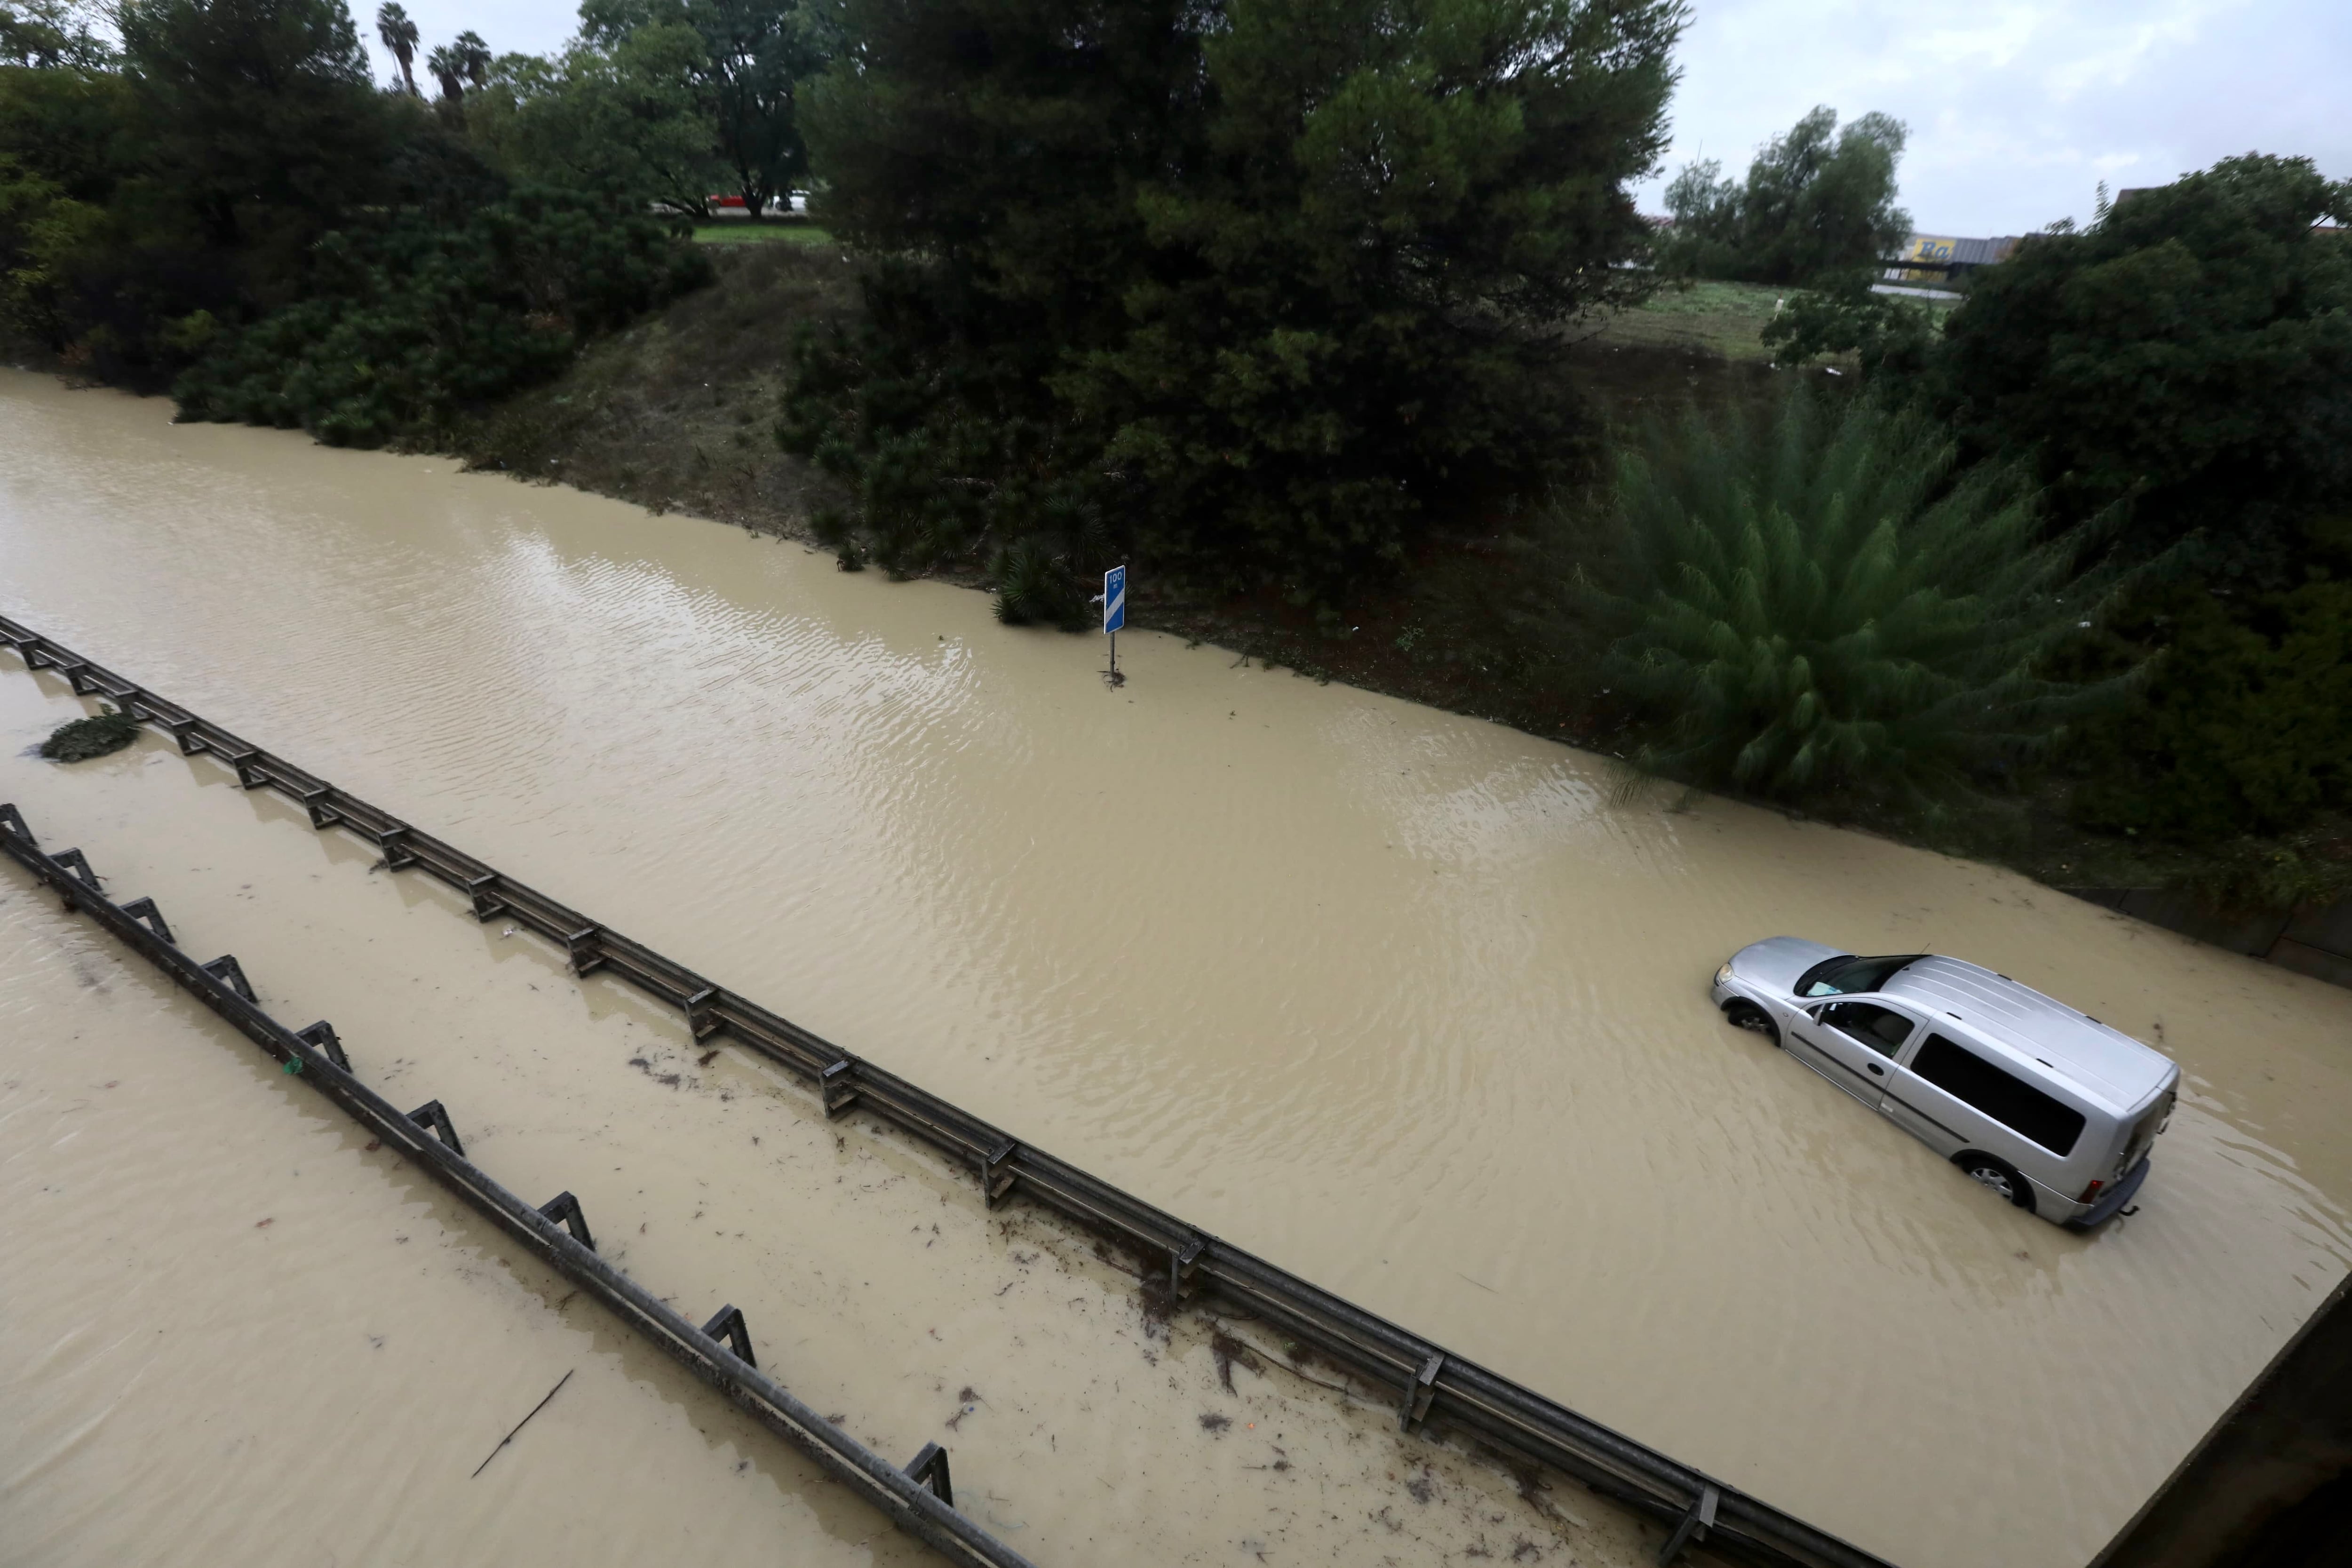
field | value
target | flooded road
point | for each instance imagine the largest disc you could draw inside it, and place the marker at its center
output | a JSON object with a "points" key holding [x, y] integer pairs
{"points": [[284, 1349], [1392, 997]]}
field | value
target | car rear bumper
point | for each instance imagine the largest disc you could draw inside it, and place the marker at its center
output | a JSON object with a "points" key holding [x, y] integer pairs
{"points": [[2113, 1200]]}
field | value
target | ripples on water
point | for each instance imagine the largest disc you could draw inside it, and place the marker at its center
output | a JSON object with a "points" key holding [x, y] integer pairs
{"points": [[1394, 998]]}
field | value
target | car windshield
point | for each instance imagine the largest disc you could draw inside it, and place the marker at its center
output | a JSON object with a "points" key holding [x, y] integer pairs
{"points": [[1847, 976]]}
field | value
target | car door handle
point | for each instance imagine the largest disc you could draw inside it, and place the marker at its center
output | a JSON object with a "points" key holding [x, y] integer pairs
{"points": [[1875, 1070]]}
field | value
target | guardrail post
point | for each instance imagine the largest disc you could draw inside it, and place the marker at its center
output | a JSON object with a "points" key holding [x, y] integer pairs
{"points": [[78, 676], [394, 842], [586, 948], [1695, 1524], [225, 970], [183, 731], [145, 910], [995, 1180], [839, 1083], [322, 1037], [729, 1325], [248, 770], [485, 905], [321, 815], [1180, 1259], [564, 1210], [700, 1021], [1418, 1393], [931, 1470], [75, 861], [12, 821], [433, 1117]]}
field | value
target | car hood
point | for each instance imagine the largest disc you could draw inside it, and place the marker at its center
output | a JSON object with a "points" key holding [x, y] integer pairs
{"points": [[1775, 962]]}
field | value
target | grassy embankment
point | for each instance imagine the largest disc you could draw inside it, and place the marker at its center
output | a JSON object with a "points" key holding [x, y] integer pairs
{"points": [[741, 231], [679, 413]]}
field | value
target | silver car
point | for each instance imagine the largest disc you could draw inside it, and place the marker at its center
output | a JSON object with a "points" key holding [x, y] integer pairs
{"points": [[2048, 1107]]}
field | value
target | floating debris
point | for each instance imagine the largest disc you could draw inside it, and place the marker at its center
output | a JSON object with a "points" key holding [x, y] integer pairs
{"points": [[82, 739]]}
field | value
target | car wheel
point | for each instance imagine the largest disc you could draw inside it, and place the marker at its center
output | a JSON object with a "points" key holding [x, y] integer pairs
{"points": [[1992, 1174], [1748, 1016]]}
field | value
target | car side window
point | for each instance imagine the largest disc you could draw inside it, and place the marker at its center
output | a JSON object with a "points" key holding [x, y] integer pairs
{"points": [[1882, 1029], [1999, 1094]]}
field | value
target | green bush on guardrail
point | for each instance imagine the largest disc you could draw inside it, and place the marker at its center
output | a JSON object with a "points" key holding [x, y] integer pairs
{"points": [[94, 737]]}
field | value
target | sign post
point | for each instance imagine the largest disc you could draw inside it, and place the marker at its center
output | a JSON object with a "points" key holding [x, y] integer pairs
{"points": [[1114, 604]]}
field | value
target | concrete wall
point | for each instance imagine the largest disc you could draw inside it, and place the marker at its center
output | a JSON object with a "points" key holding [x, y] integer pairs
{"points": [[2271, 1486], [2317, 943]]}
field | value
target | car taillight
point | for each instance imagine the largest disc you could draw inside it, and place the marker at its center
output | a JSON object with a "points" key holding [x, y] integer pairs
{"points": [[2090, 1192]]}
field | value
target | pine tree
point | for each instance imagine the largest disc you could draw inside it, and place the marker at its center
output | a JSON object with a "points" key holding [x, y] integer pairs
{"points": [[1270, 276]]}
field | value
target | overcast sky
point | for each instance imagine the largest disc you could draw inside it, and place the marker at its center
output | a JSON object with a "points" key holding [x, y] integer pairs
{"points": [[2018, 109]]}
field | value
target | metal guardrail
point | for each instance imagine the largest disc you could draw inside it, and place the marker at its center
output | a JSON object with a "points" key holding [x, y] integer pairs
{"points": [[919, 1500], [1436, 1388]]}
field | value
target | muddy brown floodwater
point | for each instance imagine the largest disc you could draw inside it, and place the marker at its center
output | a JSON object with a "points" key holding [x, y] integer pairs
{"points": [[1393, 998]]}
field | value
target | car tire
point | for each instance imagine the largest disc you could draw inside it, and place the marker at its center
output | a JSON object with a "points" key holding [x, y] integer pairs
{"points": [[1749, 1016], [2000, 1177]]}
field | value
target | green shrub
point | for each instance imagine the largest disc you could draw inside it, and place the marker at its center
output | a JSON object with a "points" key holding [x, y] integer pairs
{"points": [[1890, 335], [409, 326], [82, 739], [1816, 607], [2245, 725], [2192, 350], [1034, 586], [2300, 870]]}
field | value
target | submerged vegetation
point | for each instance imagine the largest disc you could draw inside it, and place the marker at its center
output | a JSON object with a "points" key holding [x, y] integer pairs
{"points": [[101, 734]]}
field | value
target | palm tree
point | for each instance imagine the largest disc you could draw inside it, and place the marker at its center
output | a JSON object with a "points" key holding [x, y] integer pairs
{"points": [[1821, 604], [399, 34], [474, 57], [449, 70]]}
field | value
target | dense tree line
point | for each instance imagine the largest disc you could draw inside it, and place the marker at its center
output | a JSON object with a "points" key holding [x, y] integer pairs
{"points": [[217, 195]]}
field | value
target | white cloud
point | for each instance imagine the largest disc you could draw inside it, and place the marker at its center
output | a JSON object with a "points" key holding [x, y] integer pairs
{"points": [[2018, 110]]}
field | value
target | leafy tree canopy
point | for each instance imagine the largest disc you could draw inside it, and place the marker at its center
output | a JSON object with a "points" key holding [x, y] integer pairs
{"points": [[407, 328], [622, 118], [1890, 335], [1817, 203], [1269, 278], [758, 56], [2192, 350], [49, 34], [2246, 724], [263, 114]]}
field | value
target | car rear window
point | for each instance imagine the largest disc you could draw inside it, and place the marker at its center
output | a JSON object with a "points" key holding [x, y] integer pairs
{"points": [[1999, 1094], [1849, 975]]}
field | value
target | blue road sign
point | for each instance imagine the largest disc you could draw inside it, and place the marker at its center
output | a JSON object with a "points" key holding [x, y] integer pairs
{"points": [[1114, 598]]}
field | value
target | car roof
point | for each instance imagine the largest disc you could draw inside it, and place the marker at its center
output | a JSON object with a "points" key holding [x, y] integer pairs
{"points": [[2106, 1063]]}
